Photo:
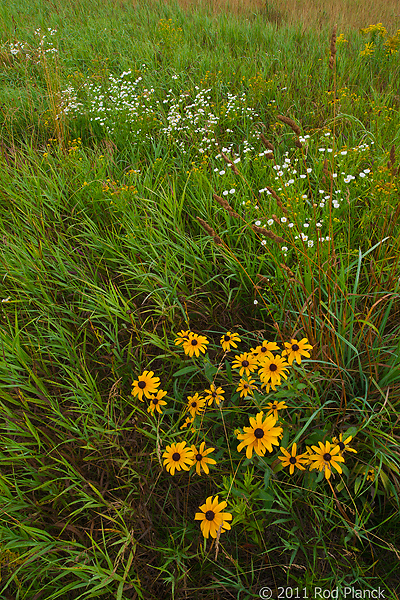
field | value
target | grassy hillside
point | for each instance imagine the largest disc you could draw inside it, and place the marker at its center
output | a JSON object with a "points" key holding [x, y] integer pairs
{"points": [[199, 211]]}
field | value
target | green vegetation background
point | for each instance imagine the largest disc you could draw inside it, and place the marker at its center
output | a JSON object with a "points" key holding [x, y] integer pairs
{"points": [[103, 262]]}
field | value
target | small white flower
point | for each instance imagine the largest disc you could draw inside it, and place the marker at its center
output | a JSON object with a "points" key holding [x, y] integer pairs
{"points": [[222, 172], [367, 171], [283, 219], [291, 225], [318, 224], [237, 160], [263, 242], [309, 170], [343, 152], [284, 249], [362, 175], [310, 243], [232, 191], [255, 301], [270, 222], [303, 176], [321, 149], [258, 223], [306, 225], [225, 193], [321, 204], [304, 196]]}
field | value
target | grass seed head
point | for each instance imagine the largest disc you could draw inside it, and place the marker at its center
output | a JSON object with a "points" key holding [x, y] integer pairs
{"points": [[291, 123]]}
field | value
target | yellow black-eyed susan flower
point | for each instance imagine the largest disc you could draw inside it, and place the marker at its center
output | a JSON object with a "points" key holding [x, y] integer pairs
{"points": [[293, 460], [188, 421], [295, 350], [182, 336], [146, 384], [260, 436], [246, 363], [343, 443], [178, 456], [195, 344], [195, 404], [156, 402], [213, 520], [214, 393], [272, 370], [266, 348], [228, 340], [202, 459], [246, 387], [370, 474], [326, 458], [274, 407]]}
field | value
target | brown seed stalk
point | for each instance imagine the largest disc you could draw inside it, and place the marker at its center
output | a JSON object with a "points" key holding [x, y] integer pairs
{"points": [[262, 278], [268, 233], [278, 200], [266, 143], [225, 205], [210, 231], [285, 268], [291, 123], [228, 160], [333, 48]]}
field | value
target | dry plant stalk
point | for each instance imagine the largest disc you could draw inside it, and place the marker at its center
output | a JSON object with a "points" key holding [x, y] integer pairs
{"points": [[278, 200], [262, 278], [228, 160], [225, 205], [333, 48], [291, 124], [210, 231], [391, 164], [285, 268], [266, 143], [268, 233]]}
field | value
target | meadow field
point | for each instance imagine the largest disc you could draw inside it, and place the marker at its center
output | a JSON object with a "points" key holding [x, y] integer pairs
{"points": [[200, 285]]}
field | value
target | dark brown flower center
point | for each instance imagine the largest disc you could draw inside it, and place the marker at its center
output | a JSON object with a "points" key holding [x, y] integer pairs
{"points": [[295, 347], [245, 386], [342, 446], [199, 457], [273, 367], [142, 385], [245, 363], [176, 456], [194, 404], [263, 349], [327, 457], [227, 338], [259, 433], [293, 460], [155, 400], [194, 342], [210, 514], [213, 394]]}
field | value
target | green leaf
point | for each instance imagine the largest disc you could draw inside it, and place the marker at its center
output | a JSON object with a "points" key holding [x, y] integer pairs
{"points": [[186, 370]]}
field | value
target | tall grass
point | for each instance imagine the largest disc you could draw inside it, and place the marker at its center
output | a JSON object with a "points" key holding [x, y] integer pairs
{"points": [[167, 169]]}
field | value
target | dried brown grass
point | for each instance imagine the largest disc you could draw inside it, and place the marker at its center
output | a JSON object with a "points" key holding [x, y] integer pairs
{"points": [[310, 14]]}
